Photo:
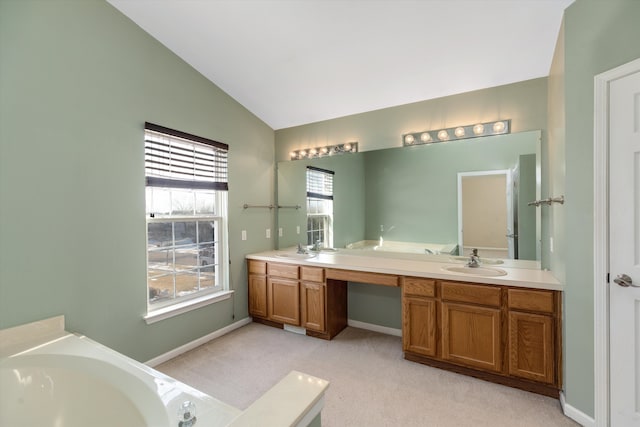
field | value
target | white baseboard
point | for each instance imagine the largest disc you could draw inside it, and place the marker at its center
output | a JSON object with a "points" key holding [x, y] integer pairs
{"points": [[374, 328], [198, 342], [575, 414]]}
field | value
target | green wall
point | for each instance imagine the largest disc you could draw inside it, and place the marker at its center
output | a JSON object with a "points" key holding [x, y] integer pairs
{"points": [[523, 102], [598, 36], [78, 80], [526, 214]]}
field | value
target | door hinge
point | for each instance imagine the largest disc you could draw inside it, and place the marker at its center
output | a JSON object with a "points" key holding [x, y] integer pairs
{"points": [[608, 277]]}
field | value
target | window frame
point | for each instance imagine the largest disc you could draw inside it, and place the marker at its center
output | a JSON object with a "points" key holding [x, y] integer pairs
{"points": [[217, 184]]}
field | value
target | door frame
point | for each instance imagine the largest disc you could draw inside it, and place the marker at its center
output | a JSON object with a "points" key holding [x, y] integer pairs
{"points": [[601, 237], [511, 224]]}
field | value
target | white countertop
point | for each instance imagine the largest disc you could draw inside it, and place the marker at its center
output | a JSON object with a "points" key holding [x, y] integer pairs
{"points": [[410, 266]]}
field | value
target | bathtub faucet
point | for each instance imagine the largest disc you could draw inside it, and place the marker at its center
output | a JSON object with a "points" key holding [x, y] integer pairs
{"points": [[187, 414]]}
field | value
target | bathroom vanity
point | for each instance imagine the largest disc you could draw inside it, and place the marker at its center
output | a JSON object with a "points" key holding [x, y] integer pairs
{"points": [[504, 328]]}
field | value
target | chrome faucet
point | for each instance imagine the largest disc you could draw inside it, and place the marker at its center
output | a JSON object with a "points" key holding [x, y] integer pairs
{"points": [[474, 259], [317, 246], [301, 250], [187, 414]]}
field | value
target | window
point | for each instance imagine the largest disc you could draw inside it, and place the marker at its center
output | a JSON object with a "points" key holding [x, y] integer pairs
{"points": [[319, 206], [186, 211]]}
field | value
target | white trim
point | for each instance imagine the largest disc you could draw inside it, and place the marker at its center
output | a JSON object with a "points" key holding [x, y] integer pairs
{"points": [[601, 237], [576, 415], [375, 328], [185, 306], [196, 343]]}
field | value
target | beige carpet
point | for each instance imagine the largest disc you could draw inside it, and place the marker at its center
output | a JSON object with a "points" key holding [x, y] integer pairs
{"points": [[371, 384]]}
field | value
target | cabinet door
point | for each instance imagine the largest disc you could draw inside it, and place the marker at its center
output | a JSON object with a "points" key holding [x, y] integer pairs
{"points": [[419, 325], [313, 306], [531, 346], [284, 301], [257, 295], [471, 336]]}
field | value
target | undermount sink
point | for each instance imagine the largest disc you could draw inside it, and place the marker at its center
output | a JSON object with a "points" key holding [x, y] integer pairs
{"points": [[482, 260], [476, 271], [294, 255]]}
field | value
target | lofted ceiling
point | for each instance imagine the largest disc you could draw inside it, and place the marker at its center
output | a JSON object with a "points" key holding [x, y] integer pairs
{"points": [[293, 62]]}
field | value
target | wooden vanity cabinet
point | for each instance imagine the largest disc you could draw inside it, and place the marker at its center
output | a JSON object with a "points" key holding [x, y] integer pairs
{"points": [[471, 328], [419, 316], [532, 334], [312, 298], [257, 288], [499, 333], [283, 293]]}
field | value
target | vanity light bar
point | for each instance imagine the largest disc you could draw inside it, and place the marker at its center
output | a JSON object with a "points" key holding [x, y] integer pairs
{"points": [[498, 127], [327, 150]]}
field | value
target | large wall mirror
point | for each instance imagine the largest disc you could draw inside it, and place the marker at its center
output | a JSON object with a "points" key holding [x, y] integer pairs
{"points": [[413, 194]]}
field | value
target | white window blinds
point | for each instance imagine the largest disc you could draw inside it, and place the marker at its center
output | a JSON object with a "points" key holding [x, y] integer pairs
{"points": [[319, 183], [179, 160]]}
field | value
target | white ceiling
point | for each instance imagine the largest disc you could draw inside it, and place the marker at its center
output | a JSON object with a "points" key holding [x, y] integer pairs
{"points": [[292, 62]]}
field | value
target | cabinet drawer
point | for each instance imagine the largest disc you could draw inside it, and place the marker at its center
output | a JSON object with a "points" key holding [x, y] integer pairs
{"points": [[312, 274], [257, 267], [418, 286], [362, 277], [283, 270], [525, 299], [476, 294]]}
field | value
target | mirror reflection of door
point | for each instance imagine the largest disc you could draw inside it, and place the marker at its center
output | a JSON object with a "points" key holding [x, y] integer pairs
{"points": [[485, 214]]}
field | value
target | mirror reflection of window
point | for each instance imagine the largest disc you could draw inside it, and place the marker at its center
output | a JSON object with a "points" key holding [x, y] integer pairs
{"points": [[319, 206]]}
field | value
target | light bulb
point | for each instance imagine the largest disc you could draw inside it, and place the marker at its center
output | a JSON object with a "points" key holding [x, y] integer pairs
{"points": [[443, 135], [478, 129], [293, 154], [313, 152], [425, 137], [459, 132], [324, 150], [347, 147], [409, 139], [303, 153], [498, 127]]}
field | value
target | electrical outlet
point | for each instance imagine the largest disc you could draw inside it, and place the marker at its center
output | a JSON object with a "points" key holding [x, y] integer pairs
{"points": [[297, 229], [268, 233], [280, 232], [244, 234]]}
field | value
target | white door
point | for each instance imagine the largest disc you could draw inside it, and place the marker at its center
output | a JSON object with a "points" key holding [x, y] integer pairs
{"points": [[624, 250]]}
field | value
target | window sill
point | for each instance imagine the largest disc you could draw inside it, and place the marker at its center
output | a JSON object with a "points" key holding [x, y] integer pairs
{"points": [[186, 306]]}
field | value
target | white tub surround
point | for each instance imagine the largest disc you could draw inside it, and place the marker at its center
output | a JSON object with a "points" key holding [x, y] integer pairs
{"points": [[519, 273], [51, 377], [295, 391], [404, 247]]}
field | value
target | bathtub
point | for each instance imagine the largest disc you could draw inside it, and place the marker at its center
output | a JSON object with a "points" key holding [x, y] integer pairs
{"points": [[50, 377], [403, 247], [74, 381]]}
